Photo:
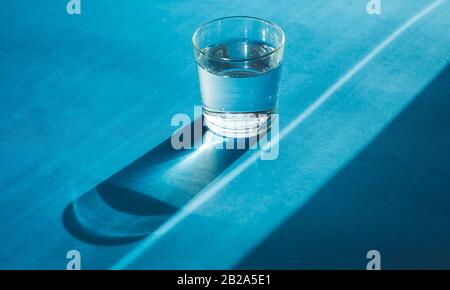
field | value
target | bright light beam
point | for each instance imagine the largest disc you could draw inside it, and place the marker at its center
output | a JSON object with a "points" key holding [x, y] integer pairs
{"points": [[197, 201]]}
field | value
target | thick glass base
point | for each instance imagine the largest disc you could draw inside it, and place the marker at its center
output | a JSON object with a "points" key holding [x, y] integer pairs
{"points": [[237, 125]]}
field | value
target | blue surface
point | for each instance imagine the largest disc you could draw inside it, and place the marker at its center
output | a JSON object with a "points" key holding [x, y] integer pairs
{"points": [[364, 157]]}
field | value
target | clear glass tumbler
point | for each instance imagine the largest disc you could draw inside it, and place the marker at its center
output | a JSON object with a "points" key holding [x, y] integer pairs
{"points": [[239, 62]]}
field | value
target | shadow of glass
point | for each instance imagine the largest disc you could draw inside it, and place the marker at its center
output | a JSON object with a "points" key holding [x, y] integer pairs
{"points": [[135, 201]]}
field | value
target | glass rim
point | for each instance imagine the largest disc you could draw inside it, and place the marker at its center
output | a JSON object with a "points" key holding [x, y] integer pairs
{"points": [[224, 59]]}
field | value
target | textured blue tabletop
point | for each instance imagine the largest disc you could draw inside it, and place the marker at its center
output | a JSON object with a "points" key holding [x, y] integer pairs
{"points": [[364, 151]]}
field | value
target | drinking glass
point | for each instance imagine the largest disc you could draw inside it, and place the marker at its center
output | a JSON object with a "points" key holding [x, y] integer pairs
{"points": [[239, 64]]}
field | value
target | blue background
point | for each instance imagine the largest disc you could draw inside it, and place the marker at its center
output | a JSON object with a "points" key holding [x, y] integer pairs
{"points": [[83, 96]]}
